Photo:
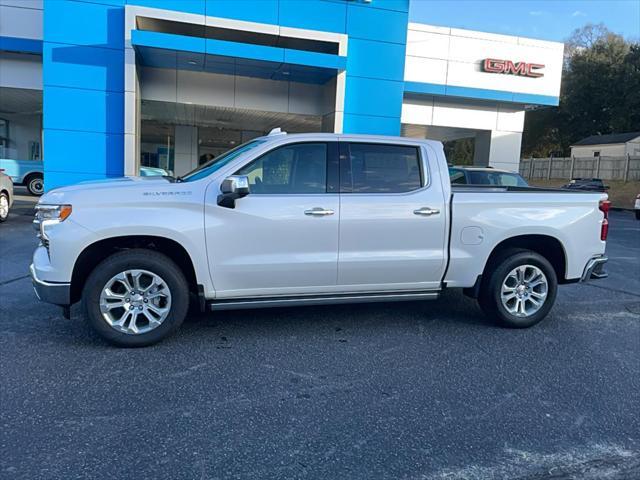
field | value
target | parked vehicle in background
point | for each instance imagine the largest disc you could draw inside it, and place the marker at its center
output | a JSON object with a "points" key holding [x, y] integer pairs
{"points": [[309, 219], [154, 171], [485, 176], [29, 173], [6, 195], [636, 207], [589, 184]]}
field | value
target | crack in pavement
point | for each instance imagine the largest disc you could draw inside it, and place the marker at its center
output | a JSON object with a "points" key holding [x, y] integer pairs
{"points": [[5, 282]]}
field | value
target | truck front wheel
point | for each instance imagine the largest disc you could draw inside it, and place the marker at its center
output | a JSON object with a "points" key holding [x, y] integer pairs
{"points": [[518, 288], [135, 298]]}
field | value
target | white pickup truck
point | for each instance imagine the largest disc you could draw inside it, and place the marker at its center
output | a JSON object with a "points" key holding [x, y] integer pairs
{"points": [[309, 219]]}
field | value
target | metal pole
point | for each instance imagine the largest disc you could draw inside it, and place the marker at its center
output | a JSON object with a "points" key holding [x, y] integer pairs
{"points": [[626, 168], [598, 168], [549, 169], [573, 161], [531, 168]]}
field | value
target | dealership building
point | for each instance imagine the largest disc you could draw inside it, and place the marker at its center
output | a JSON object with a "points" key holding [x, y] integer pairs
{"points": [[100, 88]]}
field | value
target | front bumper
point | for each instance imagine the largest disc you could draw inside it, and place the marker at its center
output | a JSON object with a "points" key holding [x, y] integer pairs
{"points": [[56, 293], [594, 270]]}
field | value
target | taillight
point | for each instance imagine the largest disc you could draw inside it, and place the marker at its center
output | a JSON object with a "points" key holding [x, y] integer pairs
{"points": [[604, 207]]}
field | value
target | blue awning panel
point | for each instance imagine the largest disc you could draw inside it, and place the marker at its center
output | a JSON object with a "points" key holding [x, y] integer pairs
{"points": [[479, 93], [165, 50]]}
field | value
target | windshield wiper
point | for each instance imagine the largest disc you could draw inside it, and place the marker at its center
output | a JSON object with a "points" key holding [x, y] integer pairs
{"points": [[173, 179]]}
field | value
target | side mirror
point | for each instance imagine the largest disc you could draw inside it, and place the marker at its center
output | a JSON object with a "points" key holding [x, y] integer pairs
{"points": [[233, 188]]}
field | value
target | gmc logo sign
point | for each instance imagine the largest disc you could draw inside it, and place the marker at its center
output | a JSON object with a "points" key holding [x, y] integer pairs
{"points": [[522, 69]]}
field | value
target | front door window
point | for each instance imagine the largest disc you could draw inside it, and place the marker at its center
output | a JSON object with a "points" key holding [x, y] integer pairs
{"points": [[293, 169]]}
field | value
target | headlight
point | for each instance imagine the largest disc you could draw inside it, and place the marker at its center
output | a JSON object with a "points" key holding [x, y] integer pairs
{"points": [[48, 215], [52, 212]]}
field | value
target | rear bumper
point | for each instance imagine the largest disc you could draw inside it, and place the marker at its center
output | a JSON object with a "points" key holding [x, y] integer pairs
{"points": [[56, 293], [594, 269]]}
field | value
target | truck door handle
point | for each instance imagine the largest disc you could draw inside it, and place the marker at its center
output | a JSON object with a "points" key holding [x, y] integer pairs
{"points": [[318, 212], [426, 211]]}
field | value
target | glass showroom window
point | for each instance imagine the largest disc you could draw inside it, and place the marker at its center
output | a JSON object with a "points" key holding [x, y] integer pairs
{"points": [[157, 147], [20, 124]]}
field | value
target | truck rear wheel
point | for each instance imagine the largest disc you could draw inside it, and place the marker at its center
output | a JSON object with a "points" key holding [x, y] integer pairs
{"points": [[35, 184], [519, 288], [135, 298]]}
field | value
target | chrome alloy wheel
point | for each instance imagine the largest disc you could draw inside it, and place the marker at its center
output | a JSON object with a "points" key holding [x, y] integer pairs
{"points": [[135, 301], [4, 206], [524, 290]]}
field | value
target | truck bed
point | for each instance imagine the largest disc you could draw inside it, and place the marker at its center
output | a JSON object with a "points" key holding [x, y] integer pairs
{"points": [[483, 216], [514, 189]]}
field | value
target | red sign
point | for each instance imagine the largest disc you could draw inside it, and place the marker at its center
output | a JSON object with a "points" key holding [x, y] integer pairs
{"points": [[522, 69]]}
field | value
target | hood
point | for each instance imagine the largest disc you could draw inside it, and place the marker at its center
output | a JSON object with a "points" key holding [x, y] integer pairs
{"points": [[59, 195]]}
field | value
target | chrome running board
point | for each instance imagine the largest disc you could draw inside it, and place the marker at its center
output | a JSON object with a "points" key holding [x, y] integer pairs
{"points": [[331, 299]]}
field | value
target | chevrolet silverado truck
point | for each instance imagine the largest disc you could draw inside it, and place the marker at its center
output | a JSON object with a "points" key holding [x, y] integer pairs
{"points": [[309, 219]]}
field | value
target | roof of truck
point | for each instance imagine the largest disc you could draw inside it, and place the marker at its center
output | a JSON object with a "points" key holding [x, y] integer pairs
{"points": [[348, 136]]}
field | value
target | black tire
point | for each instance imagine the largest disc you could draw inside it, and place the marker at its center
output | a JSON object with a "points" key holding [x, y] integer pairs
{"points": [[495, 274], [35, 184], [138, 259], [4, 197], [637, 214]]}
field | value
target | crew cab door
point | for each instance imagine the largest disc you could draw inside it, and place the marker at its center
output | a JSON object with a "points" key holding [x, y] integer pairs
{"points": [[282, 238], [392, 218]]}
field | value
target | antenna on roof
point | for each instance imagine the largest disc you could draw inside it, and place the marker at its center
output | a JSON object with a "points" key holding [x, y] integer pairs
{"points": [[277, 131]]}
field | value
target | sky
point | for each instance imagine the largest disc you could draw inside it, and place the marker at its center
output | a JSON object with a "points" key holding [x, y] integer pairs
{"points": [[542, 19]]}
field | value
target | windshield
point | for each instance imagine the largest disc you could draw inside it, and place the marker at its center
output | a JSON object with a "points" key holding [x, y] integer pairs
{"points": [[217, 163]]}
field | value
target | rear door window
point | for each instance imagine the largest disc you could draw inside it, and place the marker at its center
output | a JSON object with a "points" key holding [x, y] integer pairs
{"points": [[380, 168]]}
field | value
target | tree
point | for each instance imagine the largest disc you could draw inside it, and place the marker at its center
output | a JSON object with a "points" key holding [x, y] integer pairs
{"points": [[585, 37], [599, 95], [460, 151]]}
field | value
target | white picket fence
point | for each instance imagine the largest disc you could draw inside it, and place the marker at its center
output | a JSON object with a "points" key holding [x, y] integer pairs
{"points": [[625, 168]]}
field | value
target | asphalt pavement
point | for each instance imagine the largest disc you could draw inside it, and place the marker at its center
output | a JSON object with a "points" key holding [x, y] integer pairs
{"points": [[402, 390]]}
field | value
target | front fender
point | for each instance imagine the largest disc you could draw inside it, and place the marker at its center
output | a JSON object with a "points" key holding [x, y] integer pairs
{"points": [[182, 224]]}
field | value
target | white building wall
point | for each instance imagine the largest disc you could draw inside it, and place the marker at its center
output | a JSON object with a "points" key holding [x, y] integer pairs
{"points": [[633, 148], [453, 57], [505, 150], [449, 57], [499, 126], [610, 150], [18, 70], [613, 150], [21, 19]]}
